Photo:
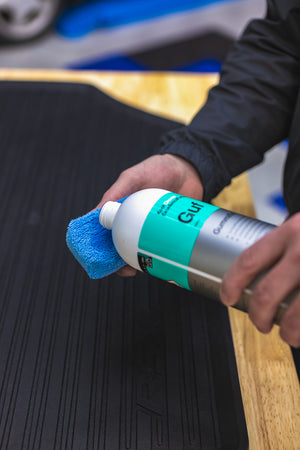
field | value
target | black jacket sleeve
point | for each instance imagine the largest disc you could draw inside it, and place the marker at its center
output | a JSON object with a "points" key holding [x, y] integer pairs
{"points": [[251, 108]]}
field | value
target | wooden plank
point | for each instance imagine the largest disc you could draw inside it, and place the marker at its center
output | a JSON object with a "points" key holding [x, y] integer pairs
{"points": [[269, 383]]}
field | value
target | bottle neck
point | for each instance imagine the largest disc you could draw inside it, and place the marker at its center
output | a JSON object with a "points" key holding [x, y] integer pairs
{"points": [[108, 213]]}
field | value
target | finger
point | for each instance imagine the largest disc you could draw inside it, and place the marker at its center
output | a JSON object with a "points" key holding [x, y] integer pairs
{"points": [[252, 261], [290, 323], [126, 271], [132, 180], [161, 171], [121, 188], [271, 290]]}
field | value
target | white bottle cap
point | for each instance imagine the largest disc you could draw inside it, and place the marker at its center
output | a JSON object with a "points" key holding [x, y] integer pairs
{"points": [[108, 213]]}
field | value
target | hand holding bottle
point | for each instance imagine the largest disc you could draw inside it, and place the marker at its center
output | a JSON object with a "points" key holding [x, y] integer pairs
{"points": [[278, 251], [161, 171]]}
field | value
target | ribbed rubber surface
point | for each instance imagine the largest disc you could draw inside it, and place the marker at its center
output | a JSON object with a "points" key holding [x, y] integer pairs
{"points": [[111, 364]]}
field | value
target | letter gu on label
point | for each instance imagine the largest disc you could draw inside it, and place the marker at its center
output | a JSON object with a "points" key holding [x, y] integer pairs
{"points": [[187, 216]]}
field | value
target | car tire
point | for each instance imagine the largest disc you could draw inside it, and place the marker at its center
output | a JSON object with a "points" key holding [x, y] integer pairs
{"points": [[21, 21]]}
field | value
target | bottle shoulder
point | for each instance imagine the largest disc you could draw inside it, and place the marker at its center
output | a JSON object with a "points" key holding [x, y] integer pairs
{"points": [[129, 221]]}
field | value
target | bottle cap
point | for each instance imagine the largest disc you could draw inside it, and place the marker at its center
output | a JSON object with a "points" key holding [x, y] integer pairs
{"points": [[108, 213]]}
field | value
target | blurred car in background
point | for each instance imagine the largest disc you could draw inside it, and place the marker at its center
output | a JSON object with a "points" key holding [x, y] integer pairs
{"points": [[23, 20]]}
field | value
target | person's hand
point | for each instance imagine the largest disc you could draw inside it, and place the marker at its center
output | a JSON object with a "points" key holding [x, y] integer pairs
{"points": [[159, 171], [278, 251]]}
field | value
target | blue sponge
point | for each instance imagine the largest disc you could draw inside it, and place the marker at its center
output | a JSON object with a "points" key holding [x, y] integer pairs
{"points": [[92, 246]]}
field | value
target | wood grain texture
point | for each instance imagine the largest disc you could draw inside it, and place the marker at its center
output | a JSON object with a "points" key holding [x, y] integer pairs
{"points": [[269, 383]]}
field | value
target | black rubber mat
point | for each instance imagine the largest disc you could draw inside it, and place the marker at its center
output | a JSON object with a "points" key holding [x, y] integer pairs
{"points": [[110, 364]]}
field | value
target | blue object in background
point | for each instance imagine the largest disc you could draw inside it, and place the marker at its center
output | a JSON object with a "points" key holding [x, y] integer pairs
{"points": [[82, 19], [277, 201], [207, 65], [111, 63]]}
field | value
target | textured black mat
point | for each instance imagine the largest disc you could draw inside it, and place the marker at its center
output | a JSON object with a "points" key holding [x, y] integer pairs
{"points": [[111, 364]]}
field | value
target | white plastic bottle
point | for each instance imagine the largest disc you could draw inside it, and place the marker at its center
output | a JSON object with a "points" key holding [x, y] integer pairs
{"points": [[181, 240]]}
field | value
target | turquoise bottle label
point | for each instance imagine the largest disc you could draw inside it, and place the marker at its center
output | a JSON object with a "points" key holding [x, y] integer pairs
{"points": [[169, 233]]}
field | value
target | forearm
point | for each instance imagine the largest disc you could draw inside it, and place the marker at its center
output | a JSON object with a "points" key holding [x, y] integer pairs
{"points": [[251, 108]]}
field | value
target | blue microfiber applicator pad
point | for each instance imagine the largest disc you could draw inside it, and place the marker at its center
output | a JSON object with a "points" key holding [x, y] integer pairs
{"points": [[92, 245]]}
